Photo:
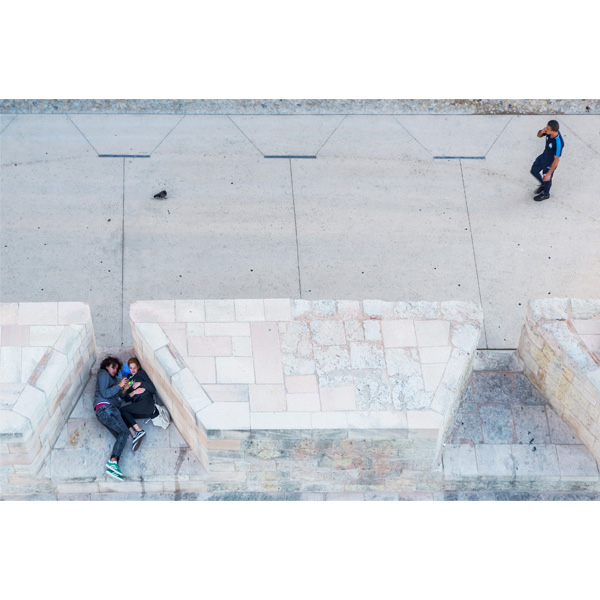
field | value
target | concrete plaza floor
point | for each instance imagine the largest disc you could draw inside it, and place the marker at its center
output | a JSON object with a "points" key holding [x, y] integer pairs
{"points": [[370, 210]]}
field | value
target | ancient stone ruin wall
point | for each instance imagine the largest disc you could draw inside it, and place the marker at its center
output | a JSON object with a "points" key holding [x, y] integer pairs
{"points": [[299, 396], [560, 348], [46, 354]]}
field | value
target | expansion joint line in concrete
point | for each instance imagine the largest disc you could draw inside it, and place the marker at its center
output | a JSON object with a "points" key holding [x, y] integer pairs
{"points": [[244, 134], [329, 137], [498, 136], [412, 136], [296, 232], [472, 246], [82, 134], [168, 134]]}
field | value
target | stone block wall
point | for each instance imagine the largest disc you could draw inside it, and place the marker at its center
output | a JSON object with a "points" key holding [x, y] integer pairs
{"points": [[560, 349], [297, 395], [47, 350]]}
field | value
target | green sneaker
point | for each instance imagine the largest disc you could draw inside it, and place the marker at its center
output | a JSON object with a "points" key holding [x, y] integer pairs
{"points": [[112, 469]]}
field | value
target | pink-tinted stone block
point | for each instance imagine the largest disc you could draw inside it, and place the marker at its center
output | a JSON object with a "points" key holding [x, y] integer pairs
{"points": [[338, 398], [38, 313], [432, 333], [591, 341], [424, 419], [203, 368], [432, 375], [155, 311], [278, 309], [304, 402], [267, 397], [177, 336], [235, 370], [9, 313], [249, 310], [189, 311], [73, 312], [15, 335], [209, 346], [227, 393], [398, 333], [301, 384], [267, 353]]}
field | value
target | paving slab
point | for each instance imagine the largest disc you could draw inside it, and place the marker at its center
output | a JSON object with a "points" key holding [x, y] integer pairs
{"points": [[452, 135], [35, 138], [588, 130], [62, 235], [125, 134], [524, 248], [207, 135], [373, 216], [355, 222], [289, 135], [234, 219]]}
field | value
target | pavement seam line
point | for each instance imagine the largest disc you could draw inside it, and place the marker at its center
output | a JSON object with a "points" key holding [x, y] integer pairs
{"points": [[473, 248], [9, 124], [580, 138], [296, 230], [337, 127], [413, 137], [499, 135], [81, 132], [167, 135], [242, 131]]}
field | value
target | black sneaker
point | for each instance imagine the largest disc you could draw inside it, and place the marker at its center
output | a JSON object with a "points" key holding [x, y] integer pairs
{"points": [[541, 197], [539, 189], [137, 440]]}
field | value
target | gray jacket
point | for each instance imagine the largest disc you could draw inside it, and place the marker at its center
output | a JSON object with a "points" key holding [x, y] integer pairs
{"points": [[107, 389]]}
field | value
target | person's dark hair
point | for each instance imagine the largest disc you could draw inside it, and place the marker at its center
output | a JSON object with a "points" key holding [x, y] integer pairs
{"points": [[553, 125], [134, 360], [111, 360]]}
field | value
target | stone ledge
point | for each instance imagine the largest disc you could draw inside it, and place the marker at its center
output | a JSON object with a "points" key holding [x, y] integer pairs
{"points": [[51, 365], [323, 370], [560, 350]]}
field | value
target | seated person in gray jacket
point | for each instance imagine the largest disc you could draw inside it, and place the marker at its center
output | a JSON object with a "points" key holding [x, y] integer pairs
{"points": [[107, 402], [140, 393]]}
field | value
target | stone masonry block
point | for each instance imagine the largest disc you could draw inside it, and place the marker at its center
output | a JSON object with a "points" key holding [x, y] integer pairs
{"points": [[267, 397], [155, 311], [189, 311], [225, 415], [152, 335], [220, 311], [38, 313], [71, 313], [432, 333], [266, 351], [32, 404], [9, 313], [399, 333], [249, 310], [190, 390], [277, 309], [14, 427]]}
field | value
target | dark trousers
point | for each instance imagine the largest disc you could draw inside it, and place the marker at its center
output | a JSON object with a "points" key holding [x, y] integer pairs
{"points": [[139, 410], [110, 417], [541, 165]]}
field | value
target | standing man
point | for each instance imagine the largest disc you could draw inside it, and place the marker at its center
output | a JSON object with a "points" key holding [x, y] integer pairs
{"points": [[547, 162]]}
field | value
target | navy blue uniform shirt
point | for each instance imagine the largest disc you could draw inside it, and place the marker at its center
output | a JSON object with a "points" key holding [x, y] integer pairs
{"points": [[554, 146]]}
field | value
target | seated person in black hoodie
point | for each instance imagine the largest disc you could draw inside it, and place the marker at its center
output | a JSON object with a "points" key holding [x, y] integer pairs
{"points": [[139, 393]]}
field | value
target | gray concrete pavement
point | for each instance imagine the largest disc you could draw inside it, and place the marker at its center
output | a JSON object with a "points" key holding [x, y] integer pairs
{"points": [[373, 216]]}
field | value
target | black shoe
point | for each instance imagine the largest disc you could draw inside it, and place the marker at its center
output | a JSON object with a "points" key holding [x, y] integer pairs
{"points": [[541, 197], [539, 189], [161, 195]]}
